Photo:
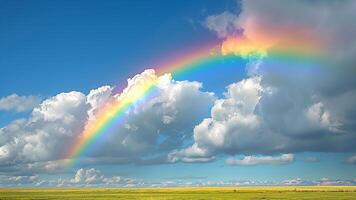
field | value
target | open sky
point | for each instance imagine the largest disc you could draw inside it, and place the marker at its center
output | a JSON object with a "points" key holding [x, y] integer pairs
{"points": [[177, 93]]}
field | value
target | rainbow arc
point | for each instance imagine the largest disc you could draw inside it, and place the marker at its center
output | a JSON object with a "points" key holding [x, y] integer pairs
{"points": [[114, 112]]}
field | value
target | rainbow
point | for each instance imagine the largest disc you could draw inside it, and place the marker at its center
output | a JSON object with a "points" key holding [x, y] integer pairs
{"points": [[114, 112]]}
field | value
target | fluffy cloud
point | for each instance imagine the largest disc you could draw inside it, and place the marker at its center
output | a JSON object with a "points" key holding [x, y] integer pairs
{"points": [[51, 127], [149, 131], [261, 160], [19, 103], [288, 182], [82, 178], [97, 98], [161, 124], [251, 119], [95, 178], [318, 182], [87, 176], [232, 127], [320, 117], [21, 180], [224, 24]]}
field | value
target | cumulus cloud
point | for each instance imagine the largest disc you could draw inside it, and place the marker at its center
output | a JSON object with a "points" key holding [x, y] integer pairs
{"points": [[149, 130], [82, 178], [251, 119], [97, 98], [22, 180], [50, 128], [283, 107], [19, 103], [191, 154], [320, 117], [161, 123], [87, 176], [317, 182], [261, 160], [95, 178], [224, 24], [232, 122], [288, 182]]}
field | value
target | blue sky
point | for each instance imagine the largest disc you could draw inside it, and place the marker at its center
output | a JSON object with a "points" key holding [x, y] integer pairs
{"points": [[49, 48], [94, 43]]}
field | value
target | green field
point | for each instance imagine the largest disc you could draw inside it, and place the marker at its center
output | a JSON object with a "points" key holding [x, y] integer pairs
{"points": [[327, 192]]}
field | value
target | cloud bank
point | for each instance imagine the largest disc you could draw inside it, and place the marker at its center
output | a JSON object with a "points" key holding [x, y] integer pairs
{"points": [[254, 160], [93, 178], [282, 107]]}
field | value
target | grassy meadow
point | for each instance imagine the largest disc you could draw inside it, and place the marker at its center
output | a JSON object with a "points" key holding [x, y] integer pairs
{"points": [[255, 193]]}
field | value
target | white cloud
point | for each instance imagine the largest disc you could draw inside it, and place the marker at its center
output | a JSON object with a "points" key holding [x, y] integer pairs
{"points": [[233, 124], [50, 129], [61, 107], [234, 113], [224, 24], [95, 178], [151, 129], [87, 176], [82, 178], [261, 160], [19, 103], [320, 117], [161, 123], [19, 181], [255, 118], [22, 179], [97, 98], [190, 155]]}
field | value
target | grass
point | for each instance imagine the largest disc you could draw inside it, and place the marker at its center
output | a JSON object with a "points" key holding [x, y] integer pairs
{"points": [[253, 193]]}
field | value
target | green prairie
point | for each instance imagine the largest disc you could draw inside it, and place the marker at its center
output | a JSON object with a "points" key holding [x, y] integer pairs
{"points": [[253, 193]]}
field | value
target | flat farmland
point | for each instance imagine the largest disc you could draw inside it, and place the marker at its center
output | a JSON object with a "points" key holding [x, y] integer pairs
{"points": [[255, 193]]}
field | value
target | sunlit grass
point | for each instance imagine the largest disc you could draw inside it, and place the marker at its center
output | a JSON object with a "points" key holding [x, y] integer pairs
{"points": [[315, 192]]}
